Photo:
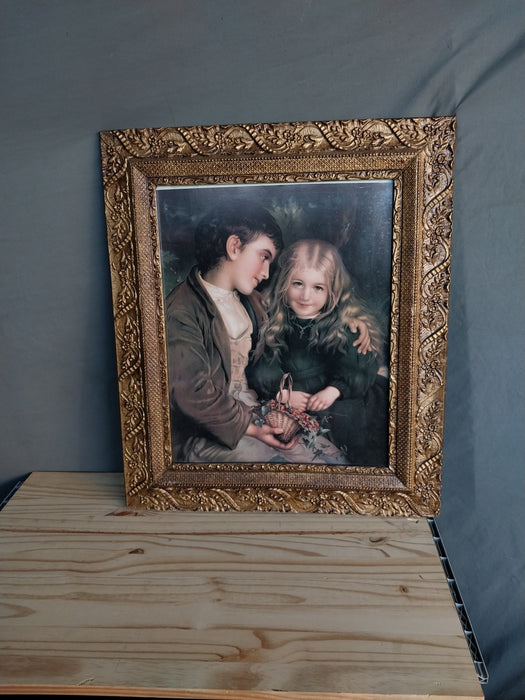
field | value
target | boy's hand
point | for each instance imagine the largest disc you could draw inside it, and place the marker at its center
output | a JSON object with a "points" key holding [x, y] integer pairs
{"points": [[363, 342], [265, 433], [323, 399]]}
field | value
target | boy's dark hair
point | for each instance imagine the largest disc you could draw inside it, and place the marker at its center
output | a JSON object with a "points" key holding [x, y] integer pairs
{"points": [[242, 219]]}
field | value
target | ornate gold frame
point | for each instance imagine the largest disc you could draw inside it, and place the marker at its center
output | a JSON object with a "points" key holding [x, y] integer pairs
{"points": [[417, 155]]}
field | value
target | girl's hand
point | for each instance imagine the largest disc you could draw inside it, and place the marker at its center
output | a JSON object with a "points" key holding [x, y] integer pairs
{"points": [[323, 399], [363, 342], [299, 400]]}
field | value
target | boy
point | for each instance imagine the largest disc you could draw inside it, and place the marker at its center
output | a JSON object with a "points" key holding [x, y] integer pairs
{"points": [[215, 323]]}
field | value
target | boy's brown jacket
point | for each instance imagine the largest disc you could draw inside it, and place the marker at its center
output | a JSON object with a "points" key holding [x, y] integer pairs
{"points": [[199, 366]]}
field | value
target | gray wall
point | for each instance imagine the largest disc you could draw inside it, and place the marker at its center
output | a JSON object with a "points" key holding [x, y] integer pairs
{"points": [[71, 68]]}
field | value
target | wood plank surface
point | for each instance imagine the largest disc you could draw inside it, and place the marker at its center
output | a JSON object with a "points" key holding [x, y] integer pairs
{"points": [[98, 599]]}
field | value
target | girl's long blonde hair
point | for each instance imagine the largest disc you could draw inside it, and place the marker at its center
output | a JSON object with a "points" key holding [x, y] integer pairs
{"points": [[329, 332]]}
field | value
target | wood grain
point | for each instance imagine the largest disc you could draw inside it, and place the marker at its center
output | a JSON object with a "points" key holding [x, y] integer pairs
{"points": [[101, 600]]}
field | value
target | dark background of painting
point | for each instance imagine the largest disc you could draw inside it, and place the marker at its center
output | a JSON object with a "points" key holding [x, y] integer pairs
{"points": [[72, 68]]}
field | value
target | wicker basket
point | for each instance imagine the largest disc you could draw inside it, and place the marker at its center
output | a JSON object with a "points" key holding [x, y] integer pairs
{"points": [[279, 417]]}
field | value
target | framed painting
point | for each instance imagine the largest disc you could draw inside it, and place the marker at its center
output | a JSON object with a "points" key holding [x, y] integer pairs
{"points": [[280, 296]]}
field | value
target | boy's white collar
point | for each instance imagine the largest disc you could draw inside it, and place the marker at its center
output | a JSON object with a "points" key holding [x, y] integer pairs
{"points": [[215, 291]]}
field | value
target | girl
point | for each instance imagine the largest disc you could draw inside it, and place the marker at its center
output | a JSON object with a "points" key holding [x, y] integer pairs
{"points": [[312, 307]]}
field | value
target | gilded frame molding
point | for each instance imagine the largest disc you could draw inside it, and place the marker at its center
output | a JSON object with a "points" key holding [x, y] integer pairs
{"points": [[417, 156]]}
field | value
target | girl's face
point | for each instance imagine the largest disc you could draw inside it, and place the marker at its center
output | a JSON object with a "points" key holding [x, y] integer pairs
{"points": [[308, 292]]}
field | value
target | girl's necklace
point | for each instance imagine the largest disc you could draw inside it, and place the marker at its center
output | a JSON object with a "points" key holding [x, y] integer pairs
{"points": [[302, 325]]}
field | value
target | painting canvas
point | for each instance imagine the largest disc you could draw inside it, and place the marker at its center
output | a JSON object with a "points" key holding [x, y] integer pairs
{"points": [[356, 218]]}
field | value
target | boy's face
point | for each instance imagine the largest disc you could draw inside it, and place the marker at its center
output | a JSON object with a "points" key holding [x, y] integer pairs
{"points": [[251, 264]]}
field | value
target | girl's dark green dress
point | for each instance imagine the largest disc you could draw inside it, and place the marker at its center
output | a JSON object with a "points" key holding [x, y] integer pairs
{"points": [[358, 420]]}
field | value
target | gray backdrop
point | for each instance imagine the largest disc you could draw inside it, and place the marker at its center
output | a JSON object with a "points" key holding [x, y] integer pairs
{"points": [[71, 68]]}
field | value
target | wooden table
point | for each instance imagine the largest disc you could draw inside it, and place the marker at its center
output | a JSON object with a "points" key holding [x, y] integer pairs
{"points": [[98, 599]]}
